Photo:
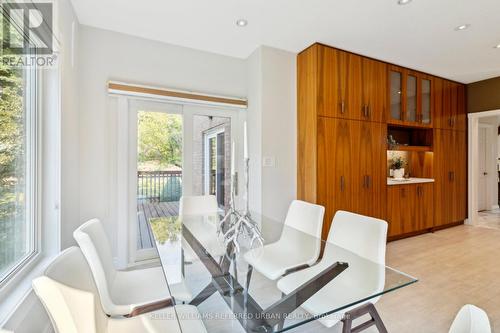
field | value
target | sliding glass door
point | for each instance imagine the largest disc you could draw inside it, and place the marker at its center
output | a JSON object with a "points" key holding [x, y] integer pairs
{"points": [[175, 150]]}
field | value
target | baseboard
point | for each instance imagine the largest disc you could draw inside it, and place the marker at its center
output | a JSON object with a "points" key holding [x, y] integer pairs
{"points": [[425, 231]]}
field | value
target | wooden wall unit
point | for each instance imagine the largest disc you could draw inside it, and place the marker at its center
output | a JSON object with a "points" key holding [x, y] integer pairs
{"points": [[343, 119]]}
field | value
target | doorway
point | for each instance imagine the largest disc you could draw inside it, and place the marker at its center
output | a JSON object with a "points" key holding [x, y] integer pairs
{"points": [[174, 150], [483, 169]]}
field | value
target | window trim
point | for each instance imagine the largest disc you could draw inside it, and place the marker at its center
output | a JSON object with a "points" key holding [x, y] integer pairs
{"points": [[32, 102]]}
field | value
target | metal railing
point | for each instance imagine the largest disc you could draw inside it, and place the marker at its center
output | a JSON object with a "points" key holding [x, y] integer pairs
{"points": [[159, 186]]}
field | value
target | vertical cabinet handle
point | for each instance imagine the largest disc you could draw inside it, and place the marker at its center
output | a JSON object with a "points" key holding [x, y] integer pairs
{"points": [[368, 181], [342, 183], [342, 107], [451, 176]]}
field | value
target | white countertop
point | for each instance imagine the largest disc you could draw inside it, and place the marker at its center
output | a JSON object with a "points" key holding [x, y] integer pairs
{"points": [[392, 181]]}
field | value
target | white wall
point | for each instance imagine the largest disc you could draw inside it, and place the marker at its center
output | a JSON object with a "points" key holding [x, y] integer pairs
{"points": [[70, 154], [272, 117], [254, 123], [104, 56]]}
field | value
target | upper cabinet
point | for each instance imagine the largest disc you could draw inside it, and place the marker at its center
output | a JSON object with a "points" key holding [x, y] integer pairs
{"points": [[449, 103], [350, 86], [410, 97]]}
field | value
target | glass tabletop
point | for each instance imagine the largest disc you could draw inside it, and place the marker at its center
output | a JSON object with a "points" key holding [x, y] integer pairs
{"points": [[287, 280]]}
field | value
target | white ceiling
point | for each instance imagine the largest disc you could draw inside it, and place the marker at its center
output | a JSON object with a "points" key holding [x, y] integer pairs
{"points": [[419, 35]]}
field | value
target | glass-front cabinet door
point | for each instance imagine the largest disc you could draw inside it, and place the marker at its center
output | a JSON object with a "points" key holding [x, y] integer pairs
{"points": [[410, 97], [426, 106], [396, 91]]}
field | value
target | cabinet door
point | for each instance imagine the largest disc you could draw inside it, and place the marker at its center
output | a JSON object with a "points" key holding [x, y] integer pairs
{"points": [[411, 98], [369, 164], [459, 176], [329, 81], [353, 108], [437, 97], [424, 206], [399, 209], [374, 99], [425, 104], [443, 186], [449, 110], [335, 160], [339, 84], [395, 94]]}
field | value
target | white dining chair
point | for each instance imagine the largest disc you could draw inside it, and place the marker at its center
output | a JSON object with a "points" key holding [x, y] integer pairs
{"points": [[471, 319], [298, 245], [198, 205], [69, 295], [360, 241], [122, 291], [205, 231]]}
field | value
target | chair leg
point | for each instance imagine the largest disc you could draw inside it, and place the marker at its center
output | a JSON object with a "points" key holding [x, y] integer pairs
{"points": [[367, 308]]}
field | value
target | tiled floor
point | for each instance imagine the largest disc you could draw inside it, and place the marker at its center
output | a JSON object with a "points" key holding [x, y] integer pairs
{"points": [[489, 219]]}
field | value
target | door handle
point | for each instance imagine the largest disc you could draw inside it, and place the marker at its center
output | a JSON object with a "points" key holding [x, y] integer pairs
{"points": [[366, 111], [485, 173]]}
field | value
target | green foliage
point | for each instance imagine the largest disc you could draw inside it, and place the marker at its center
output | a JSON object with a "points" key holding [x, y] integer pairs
{"points": [[397, 162], [172, 190], [166, 229], [160, 138], [12, 157]]}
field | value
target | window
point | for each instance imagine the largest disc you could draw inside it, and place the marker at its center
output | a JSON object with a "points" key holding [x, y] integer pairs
{"points": [[18, 160]]}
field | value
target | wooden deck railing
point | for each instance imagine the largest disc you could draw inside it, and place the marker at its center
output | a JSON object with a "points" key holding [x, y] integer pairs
{"points": [[159, 186]]}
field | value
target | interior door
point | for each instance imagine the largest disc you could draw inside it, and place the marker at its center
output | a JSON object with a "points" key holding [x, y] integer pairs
{"points": [[482, 185]]}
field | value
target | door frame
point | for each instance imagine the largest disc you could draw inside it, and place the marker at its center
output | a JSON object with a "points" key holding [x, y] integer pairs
{"points": [[473, 161], [207, 136], [124, 210]]}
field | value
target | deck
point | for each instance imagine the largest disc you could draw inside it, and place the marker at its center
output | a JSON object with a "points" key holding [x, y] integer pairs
{"points": [[147, 210]]}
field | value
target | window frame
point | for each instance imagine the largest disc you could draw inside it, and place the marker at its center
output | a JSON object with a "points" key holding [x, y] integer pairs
{"points": [[31, 103]]}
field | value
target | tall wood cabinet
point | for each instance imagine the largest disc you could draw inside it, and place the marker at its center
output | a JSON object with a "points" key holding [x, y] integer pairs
{"points": [[342, 140], [450, 176], [346, 105]]}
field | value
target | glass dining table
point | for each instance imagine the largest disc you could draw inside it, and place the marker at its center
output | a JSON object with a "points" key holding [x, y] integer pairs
{"points": [[231, 296]]}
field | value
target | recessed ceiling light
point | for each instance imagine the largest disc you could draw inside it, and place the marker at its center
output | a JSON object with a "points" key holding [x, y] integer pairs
{"points": [[497, 46], [462, 27], [241, 23], [403, 2]]}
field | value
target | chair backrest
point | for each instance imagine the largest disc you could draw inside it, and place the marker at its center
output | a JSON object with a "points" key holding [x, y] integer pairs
{"points": [[366, 236], [94, 243], [70, 270], [71, 310], [198, 204], [470, 319], [306, 217]]}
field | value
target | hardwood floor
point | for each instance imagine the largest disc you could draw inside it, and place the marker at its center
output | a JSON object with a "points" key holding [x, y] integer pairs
{"points": [[455, 266]]}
